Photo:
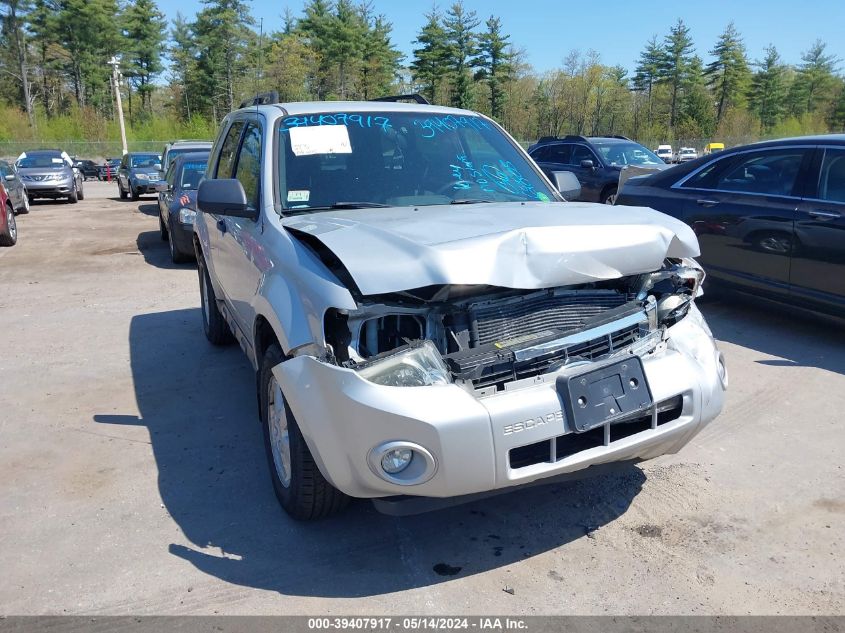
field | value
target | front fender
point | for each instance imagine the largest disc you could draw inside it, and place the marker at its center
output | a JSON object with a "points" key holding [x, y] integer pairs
{"points": [[295, 291]]}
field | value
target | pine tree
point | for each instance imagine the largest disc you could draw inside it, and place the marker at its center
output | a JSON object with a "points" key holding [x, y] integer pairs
{"points": [[768, 89], [459, 26], [429, 67], [674, 65], [647, 72], [816, 76], [728, 74], [495, 63], [144, 33], [380, 60], [696, 112], [837, 117]]}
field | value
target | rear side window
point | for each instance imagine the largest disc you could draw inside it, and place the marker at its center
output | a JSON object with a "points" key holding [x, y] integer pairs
{"points": [[249, 164], [832, 176], [541, 153], [769, 172], [227, 153], [560, 153]]}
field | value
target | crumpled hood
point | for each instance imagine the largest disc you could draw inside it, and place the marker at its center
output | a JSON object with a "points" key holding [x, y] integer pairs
{"points": [[513, 245]]}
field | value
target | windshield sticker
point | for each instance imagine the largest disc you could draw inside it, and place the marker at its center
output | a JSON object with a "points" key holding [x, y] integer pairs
{"points": [[58, 161], [543, 197], [328, 139], [298, 195], [503, 175], [350, 120], [433, 125]]}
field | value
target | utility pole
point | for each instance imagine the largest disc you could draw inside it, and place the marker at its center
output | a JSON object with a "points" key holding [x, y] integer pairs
{"points": [[114, 62]]}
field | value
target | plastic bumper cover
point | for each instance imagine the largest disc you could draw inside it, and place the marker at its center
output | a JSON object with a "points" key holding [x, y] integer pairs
{"points": [[343, 417]]}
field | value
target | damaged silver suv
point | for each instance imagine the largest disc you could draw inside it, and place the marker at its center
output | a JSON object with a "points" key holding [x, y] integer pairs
{"points": [[429, 320]]}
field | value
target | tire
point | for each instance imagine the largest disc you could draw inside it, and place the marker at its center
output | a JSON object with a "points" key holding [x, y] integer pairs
{"points": [[123, 194], [162, 228], [213, 324], [134, 191], [73, 198], [9, 237], [25, 208], [176, 256], [81, 193], [609, 196], [297, 481]]}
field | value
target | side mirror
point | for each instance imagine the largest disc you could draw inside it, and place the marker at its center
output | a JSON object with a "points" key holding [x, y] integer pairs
{"points": [[157, 166], [162, 186], [224, 196], [587, 164], [10, 177], [567, 183]]}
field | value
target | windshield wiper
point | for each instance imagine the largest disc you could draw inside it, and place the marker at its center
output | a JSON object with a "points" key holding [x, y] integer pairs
{"points": [[349, 205], [469, 201]]}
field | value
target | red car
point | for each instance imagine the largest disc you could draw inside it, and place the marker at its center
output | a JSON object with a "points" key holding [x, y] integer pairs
{"points": [[8, 228]]}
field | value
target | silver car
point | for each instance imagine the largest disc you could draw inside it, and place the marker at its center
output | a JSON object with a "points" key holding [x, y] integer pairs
{"points": [[49, 173], [430, 320]]}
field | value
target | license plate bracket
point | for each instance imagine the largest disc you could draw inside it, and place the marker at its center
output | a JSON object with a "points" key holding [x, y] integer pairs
{"points": [[598, 396]]}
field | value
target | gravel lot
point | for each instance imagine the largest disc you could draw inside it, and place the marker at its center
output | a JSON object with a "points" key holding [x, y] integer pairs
{"points": [[134, 479]]}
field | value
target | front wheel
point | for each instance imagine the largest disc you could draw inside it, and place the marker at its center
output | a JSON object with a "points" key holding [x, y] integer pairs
{"points": [[135, 194], [25, 205], [9, 237], [123, 194], [80, 193], [176, 256], [73, 198], [213, 324], [297, 481], [609, 196], [162, 228]]}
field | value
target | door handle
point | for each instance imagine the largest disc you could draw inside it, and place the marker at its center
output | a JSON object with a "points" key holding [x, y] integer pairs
{"points": [[824, 215], [704, 202], [221, 226]]}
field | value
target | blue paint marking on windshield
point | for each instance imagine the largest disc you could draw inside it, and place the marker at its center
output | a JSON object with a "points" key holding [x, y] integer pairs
{"points": [[341, 118], [432, 126], [503, 175]]}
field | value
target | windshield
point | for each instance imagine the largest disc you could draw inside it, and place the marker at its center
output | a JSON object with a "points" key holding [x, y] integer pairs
{"points": [[42, 161], [622, 154], [192, 173], [144, 160], [400, 159], [173, 153]]}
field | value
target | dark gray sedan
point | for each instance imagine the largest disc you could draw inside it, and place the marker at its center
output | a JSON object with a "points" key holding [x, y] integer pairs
{"points": [[177, 203]]}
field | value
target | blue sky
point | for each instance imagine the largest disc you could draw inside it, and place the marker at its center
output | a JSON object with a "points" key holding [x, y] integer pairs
{"points": [[617, 29]]}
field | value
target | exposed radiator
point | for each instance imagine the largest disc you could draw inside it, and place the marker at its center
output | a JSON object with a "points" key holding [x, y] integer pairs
{"points": [[505, 319]]}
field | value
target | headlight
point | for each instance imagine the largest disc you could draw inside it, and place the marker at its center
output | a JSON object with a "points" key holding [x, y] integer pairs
{"points": [[673, 288], [187, 216], [418, 365], [142, 176]]}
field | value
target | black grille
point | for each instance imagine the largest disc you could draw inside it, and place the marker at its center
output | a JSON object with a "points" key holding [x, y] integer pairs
{"points": [[528, 314]]}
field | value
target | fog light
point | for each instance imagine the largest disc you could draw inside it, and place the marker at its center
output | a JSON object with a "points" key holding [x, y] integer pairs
{"points": [[396, 460]]}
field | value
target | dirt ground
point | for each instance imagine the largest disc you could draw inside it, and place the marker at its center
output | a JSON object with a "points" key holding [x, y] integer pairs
{"points": [[133, 478]]}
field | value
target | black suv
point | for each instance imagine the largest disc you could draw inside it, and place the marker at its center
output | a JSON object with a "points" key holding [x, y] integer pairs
{"points": [[595, 160]]}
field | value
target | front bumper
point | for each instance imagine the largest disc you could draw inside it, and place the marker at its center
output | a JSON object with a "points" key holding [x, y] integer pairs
{"points": [[49, 189], [143, 186], [343, 417], [183, 237]]}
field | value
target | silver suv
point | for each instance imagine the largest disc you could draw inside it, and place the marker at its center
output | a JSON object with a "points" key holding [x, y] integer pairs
{"points": [[429, 319]]}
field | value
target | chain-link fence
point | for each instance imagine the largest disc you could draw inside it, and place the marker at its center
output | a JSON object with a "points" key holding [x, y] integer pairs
{"points": [[94, 150]]}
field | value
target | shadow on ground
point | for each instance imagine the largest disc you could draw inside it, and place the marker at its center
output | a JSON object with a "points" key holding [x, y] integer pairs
{"points": [[796, 339], [198, 403], [157, 252]]}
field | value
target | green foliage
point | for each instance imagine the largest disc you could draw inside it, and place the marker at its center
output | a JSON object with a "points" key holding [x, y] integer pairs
{"points": [[429, 66], [494, 63], [462, 45], [674, 64], [144, 28], [728, 73], [767, 96]]}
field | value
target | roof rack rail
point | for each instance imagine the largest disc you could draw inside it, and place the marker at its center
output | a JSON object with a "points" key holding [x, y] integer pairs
{"points": [[619, 136], [568, 137], [415, 97], [263, 98]]}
